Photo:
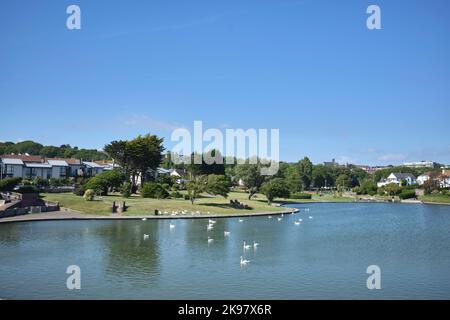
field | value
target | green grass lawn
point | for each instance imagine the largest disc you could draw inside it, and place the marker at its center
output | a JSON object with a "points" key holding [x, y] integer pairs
{"points": [[439, 198], [142, 206]]}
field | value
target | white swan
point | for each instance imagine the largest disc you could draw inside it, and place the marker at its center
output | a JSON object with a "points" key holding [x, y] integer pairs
{"points": [[241, 220], [209, 227], [172, 226], [300, 220], [279, 219], [247, 247], [255, 244], [144, 219], [210, 240], [270, 217], [297, 223], [310, 217], [244, 262], [212, 221], [146, 236], [226, 233]]}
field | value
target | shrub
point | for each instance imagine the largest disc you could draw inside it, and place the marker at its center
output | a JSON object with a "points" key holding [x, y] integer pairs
{"points": [[79, 190], [176, 195], [8, 184], [304, 196], [186, 197], [407, 194], [153, 190], [125, 190], [166, 186], [28, 189], [106, 180], [89, 195]]}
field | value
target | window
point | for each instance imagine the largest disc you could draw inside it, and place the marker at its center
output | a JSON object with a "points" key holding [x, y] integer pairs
{"points": [[62, 171], [9, 170]]}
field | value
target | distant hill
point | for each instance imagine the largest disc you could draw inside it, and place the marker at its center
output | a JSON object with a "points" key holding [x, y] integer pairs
{"points": [[63, 151]]}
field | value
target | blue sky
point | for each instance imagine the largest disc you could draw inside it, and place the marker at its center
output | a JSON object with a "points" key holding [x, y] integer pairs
{"points": [[310, 68]]}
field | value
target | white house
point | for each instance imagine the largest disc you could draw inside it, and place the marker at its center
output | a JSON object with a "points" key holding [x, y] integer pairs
{"points": [[60, 168], [92, 168], [11, 167], [423, 178], [36, 169], [397, 178]]}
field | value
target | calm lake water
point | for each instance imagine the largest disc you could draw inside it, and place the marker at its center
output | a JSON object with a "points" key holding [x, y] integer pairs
{"points": [[323, 258]]}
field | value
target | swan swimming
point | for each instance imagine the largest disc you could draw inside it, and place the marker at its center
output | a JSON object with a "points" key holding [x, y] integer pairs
{"points": [[279, 219], [144, 219], [241, 220], [212, 221], [310, 217], [210, 240], [146, 236], [209, 227], [244, 262], [247, 247], [297, 223], [172, 226], [255, 244], [226, 233]]}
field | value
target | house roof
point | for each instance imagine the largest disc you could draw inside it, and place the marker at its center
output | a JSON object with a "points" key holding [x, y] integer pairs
{"points": [[12, 161], [179, 172], [24, 158], [38, 165], [58, 163], [69, 161], [92, 164], [403, 175]]}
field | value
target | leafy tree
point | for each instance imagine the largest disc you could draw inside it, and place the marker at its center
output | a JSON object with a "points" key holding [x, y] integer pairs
{"points": [[275, 188], [218, 185], [251, 176], [322, 176], [305, 170], [343, 181], [392, 189], [194, 187]]}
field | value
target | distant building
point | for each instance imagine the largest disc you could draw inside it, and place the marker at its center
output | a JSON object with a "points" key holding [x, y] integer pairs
{"points": [[421, 164], [333, 163], [423, 178], [398, 178], [30, 167], [369, 169]]}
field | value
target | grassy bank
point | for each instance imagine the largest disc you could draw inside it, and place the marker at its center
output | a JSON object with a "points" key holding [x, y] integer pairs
{"points": [[141, 206], [326, 197], [436, 198]]}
